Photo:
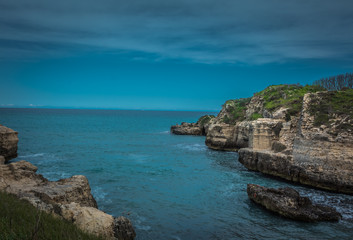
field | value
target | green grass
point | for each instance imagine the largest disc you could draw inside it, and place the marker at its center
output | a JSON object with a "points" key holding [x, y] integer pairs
{"points": [[205, 119], [288, 96], [256, 116], [20, 220], [236, 110], [331, 105]]}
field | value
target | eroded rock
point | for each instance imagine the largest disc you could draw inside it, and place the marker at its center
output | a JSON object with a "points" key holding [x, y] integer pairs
{"points": [[288, 203], [69, 198], [186, 129], [200, 128], [8, 143]]}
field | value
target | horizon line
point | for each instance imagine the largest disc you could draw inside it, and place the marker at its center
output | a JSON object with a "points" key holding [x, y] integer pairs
{"points": [[112, 109]]}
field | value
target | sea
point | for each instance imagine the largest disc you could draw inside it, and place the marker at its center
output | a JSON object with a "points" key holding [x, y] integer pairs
{"points": [[169, 186]]}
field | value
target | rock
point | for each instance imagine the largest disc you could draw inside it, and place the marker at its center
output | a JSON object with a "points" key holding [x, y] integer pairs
{"points": [[186, 129], [97, 222], [200, 128], [288, 203], [8, 143], [2, 160], [124, 229], [321, 157], [69, 198], [221, 136]]}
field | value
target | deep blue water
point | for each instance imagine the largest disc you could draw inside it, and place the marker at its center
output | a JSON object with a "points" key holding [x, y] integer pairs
{"points": [[171, 187]]}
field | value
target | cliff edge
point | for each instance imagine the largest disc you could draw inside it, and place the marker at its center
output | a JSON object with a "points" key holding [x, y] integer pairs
{"points": [[301, 134]]}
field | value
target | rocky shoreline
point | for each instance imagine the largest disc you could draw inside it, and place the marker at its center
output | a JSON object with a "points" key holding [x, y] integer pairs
{"points": [[300, 134], [69, 198], [296, 147]]}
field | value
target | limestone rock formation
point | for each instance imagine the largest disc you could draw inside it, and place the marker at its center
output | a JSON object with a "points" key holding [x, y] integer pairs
{"points": [[186, 129], [301, 134], [319, 156], [221, 136], [200, 128], [8, 143], [69, 198], [288, 203]]}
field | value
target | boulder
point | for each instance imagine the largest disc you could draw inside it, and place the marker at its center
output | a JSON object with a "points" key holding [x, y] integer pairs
{"points": [[8, 143], [288, 203]]}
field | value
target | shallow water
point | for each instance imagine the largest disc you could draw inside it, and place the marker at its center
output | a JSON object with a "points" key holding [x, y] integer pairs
{"points": [[171, 187]]}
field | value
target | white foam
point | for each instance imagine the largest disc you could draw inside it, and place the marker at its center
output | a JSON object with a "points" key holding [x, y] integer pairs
{"points": [[192, 147], [139, 223], [164, 132], [32, 155], [100, 195]]}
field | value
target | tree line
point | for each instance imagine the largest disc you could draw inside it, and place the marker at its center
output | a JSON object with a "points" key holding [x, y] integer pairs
{"points": [[336, 83]]}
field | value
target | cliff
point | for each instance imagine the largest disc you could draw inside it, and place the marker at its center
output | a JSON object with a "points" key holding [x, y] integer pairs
{"points": [[301, 134], [70, 198]]}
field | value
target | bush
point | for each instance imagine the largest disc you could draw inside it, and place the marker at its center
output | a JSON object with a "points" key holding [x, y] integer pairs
{"points": [[331, 105], [256, 116], [288, 96]]}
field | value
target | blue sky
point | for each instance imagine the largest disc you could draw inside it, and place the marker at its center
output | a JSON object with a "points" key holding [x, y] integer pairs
{"points": [[166, 55]]}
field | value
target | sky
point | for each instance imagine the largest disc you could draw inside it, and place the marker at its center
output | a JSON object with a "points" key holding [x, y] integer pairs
{"points": [[166, 55]]}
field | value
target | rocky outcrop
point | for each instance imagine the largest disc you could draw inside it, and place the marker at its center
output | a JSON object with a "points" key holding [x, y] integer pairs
{"points": [[186, 129], [281, 131], [288, 203], [69, 198], [221, 136], [200, 128], [319, 156], [8, 143]]}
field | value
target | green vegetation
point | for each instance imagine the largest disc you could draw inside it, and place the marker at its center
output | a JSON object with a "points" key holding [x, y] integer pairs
{"points": [[205, 119], [331, 105], [20, 220], [235, 110], [288, 96], [256, 116]]}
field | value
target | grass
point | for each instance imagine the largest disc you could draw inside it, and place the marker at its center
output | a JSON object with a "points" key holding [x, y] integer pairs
{"points": [[205, 119], [331, 105], [288, 96], [20, 220], [255, 116], [236, 110]]}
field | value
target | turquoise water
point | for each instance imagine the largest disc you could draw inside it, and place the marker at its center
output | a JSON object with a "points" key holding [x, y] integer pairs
{"points": [[171, 187]]}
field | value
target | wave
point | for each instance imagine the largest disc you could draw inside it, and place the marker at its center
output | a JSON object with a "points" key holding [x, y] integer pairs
{"points": [[164, 132], [100, 195], [342, 203], [32, 155], [192, 147], [139, 223]]}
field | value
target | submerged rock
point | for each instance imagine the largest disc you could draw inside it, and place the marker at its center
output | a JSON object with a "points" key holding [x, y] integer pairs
{"points": [[8, 143], [288, 203]]}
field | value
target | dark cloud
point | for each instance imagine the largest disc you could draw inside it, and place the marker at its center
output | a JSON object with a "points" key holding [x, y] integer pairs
{"points": [[253, 31]]}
